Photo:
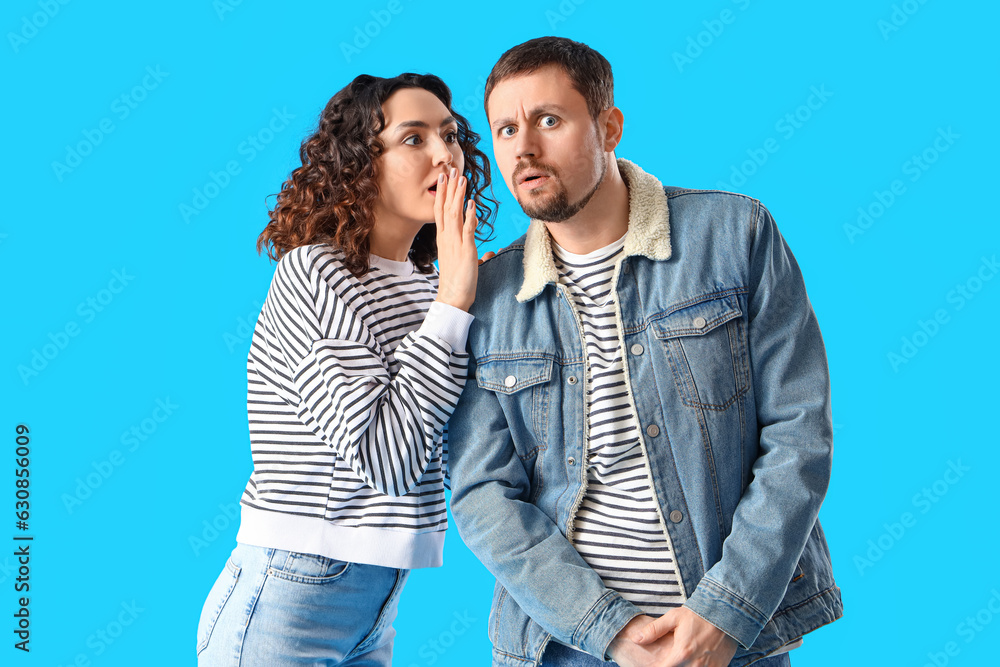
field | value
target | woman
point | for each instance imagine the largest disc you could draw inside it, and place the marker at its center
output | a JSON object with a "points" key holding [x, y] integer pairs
{"points": [[356, 363]]}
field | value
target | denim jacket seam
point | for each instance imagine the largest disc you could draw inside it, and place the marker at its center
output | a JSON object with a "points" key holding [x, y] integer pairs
{"points": [[696, 191], [540, 469], [513, 247], [744, 605], [808, 600], [695, 300], [753, 229], [718, 407], [540, 416], [534, 451], [498, 612], [508, 654], [527, 383], [706, 444], [488, 357], [589, 619]]}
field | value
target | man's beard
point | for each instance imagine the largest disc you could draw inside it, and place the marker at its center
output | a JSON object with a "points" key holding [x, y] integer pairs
{"points": [[557, 207]]}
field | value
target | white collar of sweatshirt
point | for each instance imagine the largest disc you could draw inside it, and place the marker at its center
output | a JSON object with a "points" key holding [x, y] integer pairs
{"points": [[404, 268]]}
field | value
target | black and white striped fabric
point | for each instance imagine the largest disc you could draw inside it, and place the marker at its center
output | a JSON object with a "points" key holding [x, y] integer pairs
{"points": [[617, 529], [348, 393]]}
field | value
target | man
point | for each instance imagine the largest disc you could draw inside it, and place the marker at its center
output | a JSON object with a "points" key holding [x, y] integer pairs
{"points": [[647, 433]]}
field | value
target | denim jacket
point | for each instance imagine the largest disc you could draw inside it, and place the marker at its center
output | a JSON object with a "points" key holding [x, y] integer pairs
{"points": [[727, 373]]}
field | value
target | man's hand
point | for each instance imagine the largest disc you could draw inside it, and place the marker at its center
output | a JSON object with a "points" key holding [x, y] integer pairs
{"points": [[679, 638]]}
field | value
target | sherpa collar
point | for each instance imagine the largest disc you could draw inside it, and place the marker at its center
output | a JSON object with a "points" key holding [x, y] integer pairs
{"points": [[648, 231]]}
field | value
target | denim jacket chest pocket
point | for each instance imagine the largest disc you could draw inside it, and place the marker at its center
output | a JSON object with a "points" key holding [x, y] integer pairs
{"points": [[706, 350], [521, 385]]}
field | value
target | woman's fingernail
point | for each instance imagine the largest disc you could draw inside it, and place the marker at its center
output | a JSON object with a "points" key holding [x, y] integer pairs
{"points": [[440, 178], [453, 172]]}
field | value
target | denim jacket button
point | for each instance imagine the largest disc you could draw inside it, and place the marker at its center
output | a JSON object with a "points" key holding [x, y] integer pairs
{"points": [[637, 349], [653, 430], [571, 379], [571, 461], [676, 516], [699, 322], [510, 381]]}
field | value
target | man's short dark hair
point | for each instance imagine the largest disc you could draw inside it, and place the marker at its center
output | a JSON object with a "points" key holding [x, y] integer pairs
{"points": [[589, 71]]}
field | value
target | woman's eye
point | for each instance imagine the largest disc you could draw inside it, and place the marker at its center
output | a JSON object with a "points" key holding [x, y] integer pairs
{"points": [[549, 121], [412, 140], [451, 137]]}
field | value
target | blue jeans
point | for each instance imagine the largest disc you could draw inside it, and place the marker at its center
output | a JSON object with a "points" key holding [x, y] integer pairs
{"points": [[558, 655], [273, 607]]}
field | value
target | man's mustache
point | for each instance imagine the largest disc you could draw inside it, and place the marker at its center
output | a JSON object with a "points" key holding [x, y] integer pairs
{"points": [[531, 164]]}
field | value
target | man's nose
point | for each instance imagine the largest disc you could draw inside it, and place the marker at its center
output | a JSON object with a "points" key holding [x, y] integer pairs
{"points": [[525, 144]]}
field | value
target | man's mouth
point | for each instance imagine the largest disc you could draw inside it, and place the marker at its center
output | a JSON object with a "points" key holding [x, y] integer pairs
{"points": [[531, 178], [532, 182]]}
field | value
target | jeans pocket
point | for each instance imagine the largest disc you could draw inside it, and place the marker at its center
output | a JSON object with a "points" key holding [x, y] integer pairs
{"points": [[217, 599], [308, 568]]}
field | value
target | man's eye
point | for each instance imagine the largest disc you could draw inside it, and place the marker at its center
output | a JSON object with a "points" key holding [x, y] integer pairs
{"points": [[507, 131], [549, 121], [412, 140]]}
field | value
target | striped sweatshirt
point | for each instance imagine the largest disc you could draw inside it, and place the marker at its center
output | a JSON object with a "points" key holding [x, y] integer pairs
{"points": [[350, 382]]}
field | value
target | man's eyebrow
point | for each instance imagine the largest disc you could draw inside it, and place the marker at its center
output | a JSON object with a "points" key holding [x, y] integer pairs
{"points": [[421, 124], [536, 111], [500, 122]]}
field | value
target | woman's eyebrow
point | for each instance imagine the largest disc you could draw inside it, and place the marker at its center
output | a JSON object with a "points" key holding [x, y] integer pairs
{"points": [[421, 124]]}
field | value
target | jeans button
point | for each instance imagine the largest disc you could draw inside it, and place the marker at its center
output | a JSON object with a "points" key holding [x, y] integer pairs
{"points": [[699, 322], [510, 381], [571, 461], [571, 379], [637, 349], [653, 430], [676, 516]]}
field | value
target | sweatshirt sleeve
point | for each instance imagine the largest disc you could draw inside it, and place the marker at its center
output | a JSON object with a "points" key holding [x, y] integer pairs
{"points": [[386, 426]]}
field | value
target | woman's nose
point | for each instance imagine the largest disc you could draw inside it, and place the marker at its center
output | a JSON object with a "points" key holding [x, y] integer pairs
{"points": [[442, 153]]}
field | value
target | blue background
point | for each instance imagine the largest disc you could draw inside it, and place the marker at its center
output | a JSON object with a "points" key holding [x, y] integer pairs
{"points": [[152, 531]]}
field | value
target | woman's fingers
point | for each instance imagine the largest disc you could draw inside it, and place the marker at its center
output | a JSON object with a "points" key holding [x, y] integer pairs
{"points": [[449, 213], [456, 198], [439, 204], [457, 253], [449, 188], [470, 221]]}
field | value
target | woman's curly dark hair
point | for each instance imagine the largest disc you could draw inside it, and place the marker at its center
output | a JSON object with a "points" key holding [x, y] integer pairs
{"points": [[331, 197]]}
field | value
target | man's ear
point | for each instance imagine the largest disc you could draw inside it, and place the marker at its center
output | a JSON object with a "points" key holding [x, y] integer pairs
{"points": [[613, 123]]}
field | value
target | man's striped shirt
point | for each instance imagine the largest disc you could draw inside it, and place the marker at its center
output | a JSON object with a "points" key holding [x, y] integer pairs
{"points": [[617, 528]]}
